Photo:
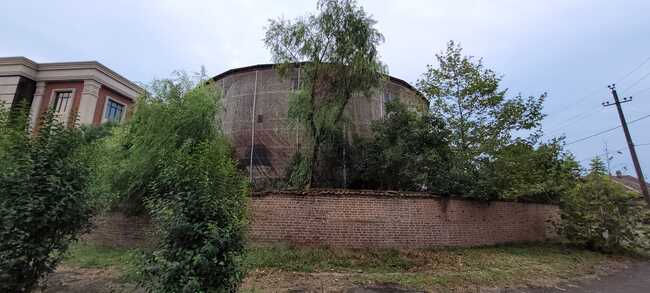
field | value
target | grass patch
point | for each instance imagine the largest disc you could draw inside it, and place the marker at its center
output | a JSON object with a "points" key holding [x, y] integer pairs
{"points": [[322, 259], [88, 256], [440, 268]]}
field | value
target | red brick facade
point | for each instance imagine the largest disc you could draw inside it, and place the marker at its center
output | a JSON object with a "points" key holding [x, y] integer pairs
{"points": [[51, 87], [372, 219], [104, 93]]}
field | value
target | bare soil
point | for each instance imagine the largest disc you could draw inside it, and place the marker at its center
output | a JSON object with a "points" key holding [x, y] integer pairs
{"points": [[72, 279], [81, 280]]}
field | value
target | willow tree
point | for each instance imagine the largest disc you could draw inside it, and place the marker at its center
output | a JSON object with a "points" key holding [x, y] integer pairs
{"points": [[336, 50]]}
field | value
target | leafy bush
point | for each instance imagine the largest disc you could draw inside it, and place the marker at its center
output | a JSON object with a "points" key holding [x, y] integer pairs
{"points": [[172, 161], [522, 170], [601, 215], [199, 205], [409, 151], [43, 203]]}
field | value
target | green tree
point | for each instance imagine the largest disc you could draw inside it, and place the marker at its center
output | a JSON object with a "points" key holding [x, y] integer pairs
{"points": [[173, 113], [481, 117], [523, 170], [408, 151], [176, 164], [597, 166], [338, 57], [44, 205], [601, 215]]}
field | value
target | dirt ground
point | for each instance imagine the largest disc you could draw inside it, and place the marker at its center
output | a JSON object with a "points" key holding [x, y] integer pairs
{"points": [[71, 279], [277, 281], [80, 280]]}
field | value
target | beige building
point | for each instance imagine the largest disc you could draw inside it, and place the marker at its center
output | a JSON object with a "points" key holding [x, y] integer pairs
{"points": [[78, 92]]}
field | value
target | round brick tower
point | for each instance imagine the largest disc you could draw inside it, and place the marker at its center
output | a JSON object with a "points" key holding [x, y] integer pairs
{"points": [[255, 114]]}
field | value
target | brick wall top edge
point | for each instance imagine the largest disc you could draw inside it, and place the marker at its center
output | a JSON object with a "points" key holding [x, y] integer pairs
{"points": [[334, 192]]}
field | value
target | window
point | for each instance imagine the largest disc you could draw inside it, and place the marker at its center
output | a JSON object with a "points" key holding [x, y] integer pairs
{"points": [[388, 96], [114, 111], [62, 101], [295, 83]]}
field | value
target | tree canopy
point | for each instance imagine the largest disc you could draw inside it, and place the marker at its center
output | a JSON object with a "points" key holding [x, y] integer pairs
{"points": [[337, 53], [481, 117]]}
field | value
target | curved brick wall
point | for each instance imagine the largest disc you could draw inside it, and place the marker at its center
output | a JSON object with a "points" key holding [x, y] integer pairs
{"points": [[341, 218]]}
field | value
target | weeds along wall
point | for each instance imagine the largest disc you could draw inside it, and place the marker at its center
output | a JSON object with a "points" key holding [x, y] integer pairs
{"points": [[256, 122], [352, 218]]}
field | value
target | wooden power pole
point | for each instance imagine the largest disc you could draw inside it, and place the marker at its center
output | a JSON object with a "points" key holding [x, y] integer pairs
{"points": [[628, 137]]}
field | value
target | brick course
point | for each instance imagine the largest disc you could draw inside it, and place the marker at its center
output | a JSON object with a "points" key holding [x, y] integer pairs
{"points": [[383, 219], [119, 230]]}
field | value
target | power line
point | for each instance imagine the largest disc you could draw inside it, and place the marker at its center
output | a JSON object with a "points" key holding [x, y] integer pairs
{"points": [[582, 99], [606, 130], [595, 134], [573, 119], [634, 70], [591, 92], [640, 91], [601, 154], [637, 81]]}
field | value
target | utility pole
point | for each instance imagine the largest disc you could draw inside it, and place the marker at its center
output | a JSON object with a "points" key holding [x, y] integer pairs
{"points": [[628, 137]]}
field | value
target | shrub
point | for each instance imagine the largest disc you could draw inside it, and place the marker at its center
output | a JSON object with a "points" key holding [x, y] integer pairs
{"points": [[601, 215], [409, 151], [199, 205], [175, 164], [523, 170], [43, 203]]}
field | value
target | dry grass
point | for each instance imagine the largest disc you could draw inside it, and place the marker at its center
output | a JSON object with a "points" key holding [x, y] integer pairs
{"points": [[441, 269], [278, 269]]}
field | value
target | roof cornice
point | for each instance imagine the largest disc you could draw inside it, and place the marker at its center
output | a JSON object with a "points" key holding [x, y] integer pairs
{"points": [[265, 66], [33, 70]]}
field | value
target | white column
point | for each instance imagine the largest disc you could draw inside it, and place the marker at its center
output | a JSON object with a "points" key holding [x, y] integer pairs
{"points": [[88, 102], [8, 86], [34, 112]]}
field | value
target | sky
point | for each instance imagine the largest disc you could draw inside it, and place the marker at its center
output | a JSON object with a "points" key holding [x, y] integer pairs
{"points": [[570, 49]]}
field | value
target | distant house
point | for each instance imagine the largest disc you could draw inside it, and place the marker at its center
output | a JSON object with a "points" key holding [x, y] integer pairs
{"points": [[87, 91], [629, 182]]}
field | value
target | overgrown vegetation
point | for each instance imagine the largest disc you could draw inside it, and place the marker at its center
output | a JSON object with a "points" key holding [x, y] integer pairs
{"points": [[475, 141], [600, 214], [44, 205], [276, 268], [172, 161], [494, 139], [336, 51], [408, 151]]}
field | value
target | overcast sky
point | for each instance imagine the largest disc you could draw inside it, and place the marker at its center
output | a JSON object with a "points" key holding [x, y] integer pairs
{"points": [[570, 49]]}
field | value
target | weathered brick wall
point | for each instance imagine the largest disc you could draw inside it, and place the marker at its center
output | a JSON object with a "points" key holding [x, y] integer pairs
{"points": [[119, 230], [367, 219], [372, 219]]}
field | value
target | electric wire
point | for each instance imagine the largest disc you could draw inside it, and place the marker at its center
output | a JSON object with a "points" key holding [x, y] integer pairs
{"points": [[633, 70], [586, 114], [575, 118], [637, 81], [640, 91], [606, 131]]}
